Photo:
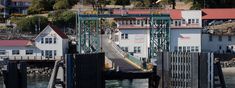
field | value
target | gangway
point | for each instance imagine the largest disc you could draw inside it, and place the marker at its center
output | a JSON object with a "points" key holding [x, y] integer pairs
{"points": [[89, 35]]}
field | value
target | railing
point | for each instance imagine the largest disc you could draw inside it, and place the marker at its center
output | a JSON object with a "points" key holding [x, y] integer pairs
{"points": [[135, 60], [31, 58]]}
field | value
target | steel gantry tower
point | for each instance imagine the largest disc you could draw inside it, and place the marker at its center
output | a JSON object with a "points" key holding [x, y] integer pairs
{"points": [[89, 28]]}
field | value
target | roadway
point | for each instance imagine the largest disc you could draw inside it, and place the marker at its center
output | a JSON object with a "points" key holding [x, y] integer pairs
{"points": [[116, 57]]}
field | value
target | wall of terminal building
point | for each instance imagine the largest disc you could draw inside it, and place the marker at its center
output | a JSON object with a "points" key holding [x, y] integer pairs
{"points": [[218, 43], [134, 41], [185, 40]]}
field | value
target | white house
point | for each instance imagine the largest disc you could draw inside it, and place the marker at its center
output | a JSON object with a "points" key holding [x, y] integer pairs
{"points": [[50, 43], [185, 34]]}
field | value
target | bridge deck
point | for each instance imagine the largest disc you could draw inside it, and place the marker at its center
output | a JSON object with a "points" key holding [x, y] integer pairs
{"points": [[114, 55]]}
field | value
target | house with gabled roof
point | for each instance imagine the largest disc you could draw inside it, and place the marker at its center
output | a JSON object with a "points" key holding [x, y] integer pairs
{"points": [[50, 43]]}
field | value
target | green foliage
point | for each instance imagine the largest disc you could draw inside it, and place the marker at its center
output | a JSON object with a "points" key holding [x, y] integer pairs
{"points": [[63, 18], [28, 24], [123, 2], [39, 5], [61, 4]]}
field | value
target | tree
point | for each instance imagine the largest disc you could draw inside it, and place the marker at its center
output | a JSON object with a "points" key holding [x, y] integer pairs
{"points": [[30, 24], [39, 5], [63, 18], [123, 3], [61, 4]]}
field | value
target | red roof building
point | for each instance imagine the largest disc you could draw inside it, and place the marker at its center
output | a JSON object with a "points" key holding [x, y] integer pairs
{"points": [[216, 14], [175, 14], [15, 43]]}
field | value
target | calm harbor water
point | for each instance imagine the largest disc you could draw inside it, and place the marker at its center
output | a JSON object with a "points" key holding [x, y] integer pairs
{"points": [[42, 82]]}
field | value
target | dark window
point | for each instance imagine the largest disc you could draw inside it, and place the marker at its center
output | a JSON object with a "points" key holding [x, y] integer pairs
{"points": [[197, 20], [29, 52], [210, 38], [220, 38], [42, 40], [180, 49], [47, 40], [55, 53], [196, 49], [54, 40], [50, 40], [137, 49], [193, 20], [229, 38], [2, 52], [42, 52], [122, 36], [15, 52], [189, 21], [183, 21], [126, 36], [192, 49], [48, 53]]}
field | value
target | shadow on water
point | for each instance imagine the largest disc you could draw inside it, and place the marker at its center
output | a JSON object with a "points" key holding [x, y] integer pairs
{"points": [[33, 82]]}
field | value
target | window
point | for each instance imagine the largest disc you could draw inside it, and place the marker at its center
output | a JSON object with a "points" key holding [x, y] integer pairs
{"points": [[54, 40], [54, 52], [42, 52], [220, 38], [126, 36], [42, 40], [180, 49], [122, 36], [146, 21], [48, 53], [176, 23], [183, 21], [193, 20], [196, 49], [197, 20], [189, 21], [15, 52], [29, 52], [210, 38], [229, 38], [137, 49], [131, 22], [188, 48], [125, 49], [2, 52], [184, 49], [50, 40], [138, 22], [47, 40], [192, 49]]}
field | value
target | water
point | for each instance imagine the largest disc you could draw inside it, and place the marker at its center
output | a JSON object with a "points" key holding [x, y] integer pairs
{"points": [[33, 82], [42, 82]]}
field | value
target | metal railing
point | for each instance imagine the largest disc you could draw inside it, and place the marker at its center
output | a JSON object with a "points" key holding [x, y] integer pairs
{"points": [[135, 60]]}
